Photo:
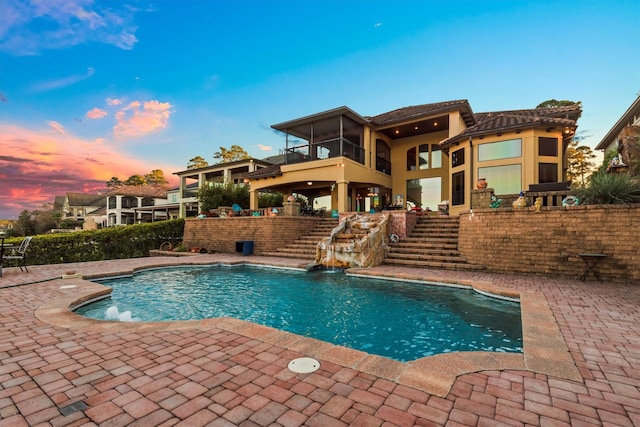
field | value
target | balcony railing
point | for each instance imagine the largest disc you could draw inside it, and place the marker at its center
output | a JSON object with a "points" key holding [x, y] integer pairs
{"points": [[327, 149], [383, 165]]}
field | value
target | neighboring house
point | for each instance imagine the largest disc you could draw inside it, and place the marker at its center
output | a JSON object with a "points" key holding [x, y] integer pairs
{"points": [[80, 205], [131, 204], [631, 117], [5, 225], [421, 155], [222, 173]]}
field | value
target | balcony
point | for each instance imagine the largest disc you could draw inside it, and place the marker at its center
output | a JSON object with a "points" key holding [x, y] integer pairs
{"points": [[327, 149]]}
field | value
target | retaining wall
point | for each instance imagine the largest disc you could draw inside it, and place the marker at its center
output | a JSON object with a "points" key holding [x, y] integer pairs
{"points": [[267, 233], [548, 242], [503, 240]]}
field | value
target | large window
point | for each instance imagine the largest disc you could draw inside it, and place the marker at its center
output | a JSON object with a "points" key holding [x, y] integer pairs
{"points": [[547, 172], [411, 159], [503, 179], [429, 156], [436, 156], [457, 188], [548, 147], [425, 192], [423, 156], [500, 150]]}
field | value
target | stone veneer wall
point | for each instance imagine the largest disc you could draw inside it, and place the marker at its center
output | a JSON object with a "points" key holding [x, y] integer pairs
{"points": [[548, 242], [267, 233]]}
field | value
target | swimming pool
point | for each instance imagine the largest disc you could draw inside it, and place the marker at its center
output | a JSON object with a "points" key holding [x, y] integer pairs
{"points": [[399, 320]]}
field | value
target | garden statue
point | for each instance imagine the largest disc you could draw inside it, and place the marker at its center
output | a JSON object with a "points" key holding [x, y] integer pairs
{"points": [[495, 202], [538, 204], [520, 201]]}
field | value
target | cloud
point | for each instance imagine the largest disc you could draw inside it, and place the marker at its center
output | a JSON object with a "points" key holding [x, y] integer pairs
{"points": [[140, 118], [377, 25], [96, 113], [114, 101], [44, 164], [56, 127], [2, 97], [32, 26], [265, 147], [62, 82]]}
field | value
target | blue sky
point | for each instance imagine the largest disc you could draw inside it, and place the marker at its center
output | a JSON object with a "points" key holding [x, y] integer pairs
{"points": [[95, 89]]}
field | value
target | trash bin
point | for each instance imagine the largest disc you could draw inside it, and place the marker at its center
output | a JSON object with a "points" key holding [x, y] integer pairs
{"points": [[244, 246]]}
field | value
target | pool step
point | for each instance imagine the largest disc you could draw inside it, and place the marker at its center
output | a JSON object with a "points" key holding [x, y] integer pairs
{"points": [[305, 246], [432, 244]]}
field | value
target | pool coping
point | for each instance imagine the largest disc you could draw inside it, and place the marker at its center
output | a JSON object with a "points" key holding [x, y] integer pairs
{"points": [[544, 348]]}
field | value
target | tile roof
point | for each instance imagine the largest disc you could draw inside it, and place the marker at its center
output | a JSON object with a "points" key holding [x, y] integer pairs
{"points": [[268, 172], [85, 199], [501, 121], [417, 111], [139, 191]]}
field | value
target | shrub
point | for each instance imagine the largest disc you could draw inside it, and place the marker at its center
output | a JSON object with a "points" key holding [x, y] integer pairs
{"points": [[609, 189], [130, 241]]}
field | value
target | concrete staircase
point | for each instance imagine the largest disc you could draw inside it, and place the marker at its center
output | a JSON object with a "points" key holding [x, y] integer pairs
{"points": [[432, 244], [305, 246]]}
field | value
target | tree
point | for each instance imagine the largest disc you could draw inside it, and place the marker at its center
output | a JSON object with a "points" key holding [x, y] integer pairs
{"points": [[231, 154], [114, 182], [156, 177], [579, 164], [24, 226], [213, 196], [551, 103], [136, 180], [197, 162]]}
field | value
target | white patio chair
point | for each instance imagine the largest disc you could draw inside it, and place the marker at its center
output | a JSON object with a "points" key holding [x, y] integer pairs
{"points": [[20, 253]]}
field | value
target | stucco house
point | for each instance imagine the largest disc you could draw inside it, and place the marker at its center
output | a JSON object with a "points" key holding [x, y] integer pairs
{"points": [[221, 173], [79, 206], [130, 204], [631, 117], [421, 155]]}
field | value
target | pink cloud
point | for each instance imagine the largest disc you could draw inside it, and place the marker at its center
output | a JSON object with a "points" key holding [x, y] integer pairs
{"points": [[96, 113], [56, 127], [114, 101], [141, 118], [44, 164]]}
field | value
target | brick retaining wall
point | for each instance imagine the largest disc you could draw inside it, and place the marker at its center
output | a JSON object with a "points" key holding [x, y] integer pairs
{"points": [[503, 240], [268, 233], [547, 242]]}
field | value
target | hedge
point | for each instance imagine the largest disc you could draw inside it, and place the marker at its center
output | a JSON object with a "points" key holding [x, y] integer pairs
{"points": [[130, 241]]}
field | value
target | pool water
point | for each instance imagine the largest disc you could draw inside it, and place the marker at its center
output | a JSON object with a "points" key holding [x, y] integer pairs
{"points": [[399, 320]]}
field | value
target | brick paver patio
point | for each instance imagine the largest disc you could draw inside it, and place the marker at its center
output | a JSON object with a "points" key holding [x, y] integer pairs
{"points": [[581, 364]]}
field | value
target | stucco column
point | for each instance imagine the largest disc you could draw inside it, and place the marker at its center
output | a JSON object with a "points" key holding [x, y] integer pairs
{"points": [[253, 199], [343, 196], [118, 210]]}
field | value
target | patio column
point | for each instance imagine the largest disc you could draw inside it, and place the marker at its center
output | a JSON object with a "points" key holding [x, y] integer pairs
{"points": [[118, 210], [253, 199], [343, 195]]}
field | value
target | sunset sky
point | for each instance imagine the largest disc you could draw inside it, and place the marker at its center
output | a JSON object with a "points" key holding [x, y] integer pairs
{"points": [[95, 89]]}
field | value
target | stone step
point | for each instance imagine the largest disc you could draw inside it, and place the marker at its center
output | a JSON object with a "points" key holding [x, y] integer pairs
{"points": [[434, 240], [432, 264], [427, 257], [424, 251], [438, 234]]}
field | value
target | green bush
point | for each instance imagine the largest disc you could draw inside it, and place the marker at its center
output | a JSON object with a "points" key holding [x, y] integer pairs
{"points": [[211, 197], [130, 241], [609, 189]]}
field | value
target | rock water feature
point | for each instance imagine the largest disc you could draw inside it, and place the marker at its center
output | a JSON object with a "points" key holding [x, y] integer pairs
{"points": [[358, 241]]}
